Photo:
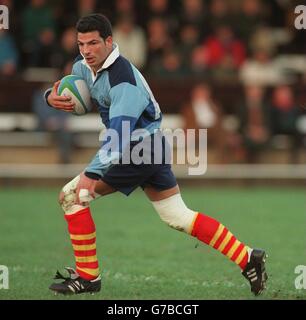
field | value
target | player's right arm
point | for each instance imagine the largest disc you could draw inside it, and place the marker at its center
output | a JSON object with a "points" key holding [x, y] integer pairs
{"points": [[58, 102], [61, 102]]}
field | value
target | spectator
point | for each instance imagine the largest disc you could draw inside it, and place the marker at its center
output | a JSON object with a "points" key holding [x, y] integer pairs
{"points": [[219, 14], [67, 51], [263, 39], [158, 8], [193, 12], [158, 41], [276, 11], [198, 62], [254, 122], [224, 44], [36, 19], [224, 54], [8, 54], [67, 13], [261, 70], [251, 16], [124, 8], [189, 39], [171, 66], [86, 7], [45, 49], [54, 121], [131, 40], [284, 117], [202, 112]]}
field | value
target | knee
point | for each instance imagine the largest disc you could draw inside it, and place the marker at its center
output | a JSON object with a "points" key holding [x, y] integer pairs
{"points": [[174, 213], [61, 198], [68, 198]]}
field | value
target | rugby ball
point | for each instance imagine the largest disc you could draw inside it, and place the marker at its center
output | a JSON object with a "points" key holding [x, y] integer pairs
{"points": [[75, 87]]}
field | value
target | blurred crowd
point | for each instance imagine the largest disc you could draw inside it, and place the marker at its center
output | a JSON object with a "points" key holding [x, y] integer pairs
{"points": [[212, 38], [252, 42], [264, 118]]}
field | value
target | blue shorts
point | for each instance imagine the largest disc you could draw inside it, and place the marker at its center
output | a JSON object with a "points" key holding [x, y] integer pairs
{"points": [[127, 177]]}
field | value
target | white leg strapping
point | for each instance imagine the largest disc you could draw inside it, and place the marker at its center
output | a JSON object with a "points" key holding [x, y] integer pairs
{"points": [[68, 202], [174, 212]]}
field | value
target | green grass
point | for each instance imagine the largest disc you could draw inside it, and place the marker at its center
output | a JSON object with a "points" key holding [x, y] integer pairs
{"points": [[141, 257]]}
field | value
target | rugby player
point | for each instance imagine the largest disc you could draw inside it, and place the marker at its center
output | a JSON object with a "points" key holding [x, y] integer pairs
{"points": [[122, 96]]}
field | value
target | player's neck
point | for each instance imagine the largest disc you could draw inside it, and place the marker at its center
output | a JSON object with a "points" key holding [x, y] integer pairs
{"points": [[95, 69]]}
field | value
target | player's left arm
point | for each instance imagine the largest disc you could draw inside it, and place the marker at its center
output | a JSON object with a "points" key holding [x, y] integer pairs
{"points": [[127, 104]]}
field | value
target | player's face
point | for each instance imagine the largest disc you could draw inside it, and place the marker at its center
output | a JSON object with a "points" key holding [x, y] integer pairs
{"points": [[94, 49]]}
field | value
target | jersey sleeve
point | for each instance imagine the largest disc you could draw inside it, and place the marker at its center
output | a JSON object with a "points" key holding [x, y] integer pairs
{"points": [[127, 105], [77, 69]]}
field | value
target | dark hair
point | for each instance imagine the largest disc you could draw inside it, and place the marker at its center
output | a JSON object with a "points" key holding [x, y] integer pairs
{"points": [[95, 22]]}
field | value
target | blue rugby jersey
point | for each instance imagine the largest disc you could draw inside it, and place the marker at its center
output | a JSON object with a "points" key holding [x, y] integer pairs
{"points": [[120, 93]]}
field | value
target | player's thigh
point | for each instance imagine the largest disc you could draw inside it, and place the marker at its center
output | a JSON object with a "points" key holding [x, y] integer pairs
{"points": [[158, 195], [103, 189]]}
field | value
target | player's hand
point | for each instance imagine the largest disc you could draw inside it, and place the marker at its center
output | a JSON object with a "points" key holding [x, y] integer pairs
{"points": [[85, 190], [60, 102]]}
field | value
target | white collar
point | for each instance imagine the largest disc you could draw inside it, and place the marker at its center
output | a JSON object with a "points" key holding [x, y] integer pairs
{"points": [[109, 60]]}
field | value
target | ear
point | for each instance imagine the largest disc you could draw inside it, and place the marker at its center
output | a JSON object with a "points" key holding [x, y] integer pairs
{"points": [[109, 42]]}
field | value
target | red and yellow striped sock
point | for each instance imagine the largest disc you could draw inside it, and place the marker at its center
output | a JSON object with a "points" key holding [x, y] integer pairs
{"points": [[83, 237], [213, 233]]}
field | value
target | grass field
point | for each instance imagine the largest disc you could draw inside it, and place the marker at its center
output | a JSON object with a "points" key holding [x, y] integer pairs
{"points": [[141, 257]]}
